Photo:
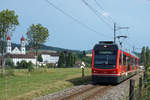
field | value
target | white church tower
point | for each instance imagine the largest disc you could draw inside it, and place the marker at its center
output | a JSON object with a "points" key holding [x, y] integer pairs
{"points": [[8, 48], [23, 50]]}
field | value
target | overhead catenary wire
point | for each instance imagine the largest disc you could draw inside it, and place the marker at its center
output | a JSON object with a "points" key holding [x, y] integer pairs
{"points": [[99, 5], [74, 19], [97, 14]]}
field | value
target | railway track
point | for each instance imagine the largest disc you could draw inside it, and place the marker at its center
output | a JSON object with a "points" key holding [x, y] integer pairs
{"points": [[84, 93], [93, 92]]}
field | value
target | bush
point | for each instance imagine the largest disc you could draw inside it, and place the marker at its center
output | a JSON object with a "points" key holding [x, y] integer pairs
{"points": [[25, 65], [22, 65], [30, 66], [51, 65], [9, 62]]}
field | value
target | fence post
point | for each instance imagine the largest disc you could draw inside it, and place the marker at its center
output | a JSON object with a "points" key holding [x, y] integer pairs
{"points": [[140, 85], [145, 80], [131, 92], [82, 73]]}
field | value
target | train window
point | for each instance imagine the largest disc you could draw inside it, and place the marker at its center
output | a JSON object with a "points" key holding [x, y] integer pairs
{"points": [[105, 57], [132, 63], [124, 59], [135, 62], [128, 64], [104, 52], [120, 57]]}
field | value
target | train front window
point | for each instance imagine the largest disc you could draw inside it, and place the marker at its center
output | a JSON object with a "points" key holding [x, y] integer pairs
{"points": [[105, 57]]}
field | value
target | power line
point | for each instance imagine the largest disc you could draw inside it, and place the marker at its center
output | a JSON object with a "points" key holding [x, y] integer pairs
{"points": [[96, 13], [73, 18], [99, 5]]}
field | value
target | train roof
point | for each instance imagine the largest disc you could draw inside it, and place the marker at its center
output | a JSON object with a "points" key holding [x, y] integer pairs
{"points": [[112, 46]]}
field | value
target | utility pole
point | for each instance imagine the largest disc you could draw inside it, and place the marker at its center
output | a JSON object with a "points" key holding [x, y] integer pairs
{"points": [[114, 32], [116, 29]]}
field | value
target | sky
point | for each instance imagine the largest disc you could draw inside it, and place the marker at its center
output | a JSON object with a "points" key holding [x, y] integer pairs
{"points": [[86, 27]]}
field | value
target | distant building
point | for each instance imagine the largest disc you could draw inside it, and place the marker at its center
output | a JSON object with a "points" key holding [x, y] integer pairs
{"points": [[50, 57], [10, 50], [47, 56], [89, 55], [19, 54]]}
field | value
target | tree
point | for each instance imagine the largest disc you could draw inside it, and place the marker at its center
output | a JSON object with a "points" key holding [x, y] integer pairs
{"points": [[39, 58], [22, 65], [9, 62], [61, 62], [37, 35], [143, 56], [30, 66], [8, 23], [83, 54], [66, 59], [147, 56]]}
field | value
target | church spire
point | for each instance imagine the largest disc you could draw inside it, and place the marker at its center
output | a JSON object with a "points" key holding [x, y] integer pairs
{"points": [[23, 50], [8, 48]]}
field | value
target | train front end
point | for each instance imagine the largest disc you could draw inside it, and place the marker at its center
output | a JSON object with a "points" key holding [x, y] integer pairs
{"points": [[104, 63]]}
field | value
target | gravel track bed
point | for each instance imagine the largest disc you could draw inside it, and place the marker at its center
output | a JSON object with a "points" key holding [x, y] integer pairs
{"points": [[119, 92], [93, 92], [66, 93]]}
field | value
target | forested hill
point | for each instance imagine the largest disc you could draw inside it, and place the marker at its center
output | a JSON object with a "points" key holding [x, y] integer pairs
{"points": [[44, 47]]}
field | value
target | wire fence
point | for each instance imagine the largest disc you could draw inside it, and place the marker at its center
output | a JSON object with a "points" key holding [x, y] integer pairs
{"points": [[139, 92]]}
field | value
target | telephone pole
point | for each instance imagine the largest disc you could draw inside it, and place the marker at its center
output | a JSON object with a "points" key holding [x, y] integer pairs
{"points": [[114, 32], [116, 29]]}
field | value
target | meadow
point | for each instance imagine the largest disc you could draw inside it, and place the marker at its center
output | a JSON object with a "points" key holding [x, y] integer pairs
{"points": [[24, 85]]}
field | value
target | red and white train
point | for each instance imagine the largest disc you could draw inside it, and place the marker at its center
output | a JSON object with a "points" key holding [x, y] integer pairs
{"points": [[111, 64]]}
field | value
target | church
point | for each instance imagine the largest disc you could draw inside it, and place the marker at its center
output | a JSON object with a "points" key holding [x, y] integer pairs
{"points": [[10, 50], [18, 54]]}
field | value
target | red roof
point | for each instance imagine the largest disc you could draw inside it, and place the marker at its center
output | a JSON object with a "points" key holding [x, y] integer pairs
{"points": [[8, 38], [22, 39]]}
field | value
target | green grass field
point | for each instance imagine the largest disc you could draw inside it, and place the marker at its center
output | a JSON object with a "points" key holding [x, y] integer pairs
{"points": [[26, 86]]}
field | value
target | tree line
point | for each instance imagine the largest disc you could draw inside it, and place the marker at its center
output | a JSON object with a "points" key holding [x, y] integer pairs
{"points": [[145, 61], [68, 59]]}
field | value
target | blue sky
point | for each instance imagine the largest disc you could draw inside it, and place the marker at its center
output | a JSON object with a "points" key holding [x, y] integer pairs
{"points": [[67, 33]]}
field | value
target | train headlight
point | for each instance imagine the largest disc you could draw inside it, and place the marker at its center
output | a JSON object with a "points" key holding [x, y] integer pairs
{"points": [[114, 71]]}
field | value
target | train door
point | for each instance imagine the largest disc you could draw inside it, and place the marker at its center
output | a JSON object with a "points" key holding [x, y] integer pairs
{"points": [[124, 62], [128, 63], [121, 62]]}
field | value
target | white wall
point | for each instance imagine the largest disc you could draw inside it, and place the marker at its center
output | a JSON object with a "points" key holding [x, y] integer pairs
{"points": [[50, 59], [15, 60]]}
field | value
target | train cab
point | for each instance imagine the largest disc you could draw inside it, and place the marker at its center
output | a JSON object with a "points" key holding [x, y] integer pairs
{"points": [[109, 63]]}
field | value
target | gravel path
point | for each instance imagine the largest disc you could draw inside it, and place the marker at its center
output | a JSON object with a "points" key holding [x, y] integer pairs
{"points": [[117, 92]]}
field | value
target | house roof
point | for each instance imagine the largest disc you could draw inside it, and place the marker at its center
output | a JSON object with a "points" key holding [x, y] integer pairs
{"points": [[43, 53], [20, 56]]}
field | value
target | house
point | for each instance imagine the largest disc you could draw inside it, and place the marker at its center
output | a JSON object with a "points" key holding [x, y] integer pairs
{"points": [[47, 56], [50, 57]]}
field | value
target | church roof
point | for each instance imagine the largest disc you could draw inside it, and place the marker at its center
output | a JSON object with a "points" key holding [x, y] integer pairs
{"points": [[44, 53], [8, 38], [22, 38], [20, 56]]}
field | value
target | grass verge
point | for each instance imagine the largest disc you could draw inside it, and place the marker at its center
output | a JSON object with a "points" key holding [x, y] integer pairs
{"points": [[26, 86]]}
